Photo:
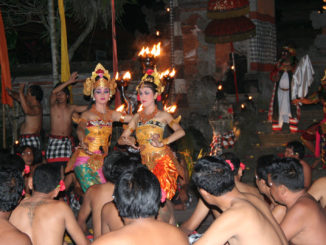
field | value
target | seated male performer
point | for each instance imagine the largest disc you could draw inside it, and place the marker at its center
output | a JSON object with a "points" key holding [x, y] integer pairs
{"points": [[98, 195], [245, 219], [11, 188], [137, 195], [202, 208], [305, 219], [263, 168], [41, 217]]}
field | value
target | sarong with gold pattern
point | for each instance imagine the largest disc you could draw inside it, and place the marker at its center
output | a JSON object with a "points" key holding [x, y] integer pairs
{"points": [[160, 160], [88, 168]]}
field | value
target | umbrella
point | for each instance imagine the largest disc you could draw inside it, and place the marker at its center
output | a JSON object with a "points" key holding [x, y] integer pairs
{"points": [[222, 9]]}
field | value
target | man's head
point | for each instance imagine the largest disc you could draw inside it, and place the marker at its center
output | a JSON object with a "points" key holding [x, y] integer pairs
{"points": [[11, 188], [137, 194], [213, 175], [116, 163], [46, 178], [286, 175], [294, 149], [12, 162], [35, 90], [263, 168], [63, 95]]}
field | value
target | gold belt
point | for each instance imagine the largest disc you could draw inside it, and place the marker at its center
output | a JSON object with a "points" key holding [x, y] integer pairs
{"points": [[284, 89]]}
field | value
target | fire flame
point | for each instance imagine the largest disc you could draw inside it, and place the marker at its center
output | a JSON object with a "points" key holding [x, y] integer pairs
{"points": [[117, 76], [121, 108], [141, 107], [170, 109], [165, 73], [172, 73], [127, 76], [156, 51]]}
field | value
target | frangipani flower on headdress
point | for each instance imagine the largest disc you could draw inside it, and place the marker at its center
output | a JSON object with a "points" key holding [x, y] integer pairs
{"points": [[152, 76], [103, 80]]}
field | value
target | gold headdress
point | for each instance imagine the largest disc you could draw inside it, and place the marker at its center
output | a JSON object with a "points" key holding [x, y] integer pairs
{"points": [[152, 76], [104, 80], [291, 50], [323, 80]]}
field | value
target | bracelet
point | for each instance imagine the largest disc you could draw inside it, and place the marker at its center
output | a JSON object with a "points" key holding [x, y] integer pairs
{"points": [[122, 118], [165, 141]]}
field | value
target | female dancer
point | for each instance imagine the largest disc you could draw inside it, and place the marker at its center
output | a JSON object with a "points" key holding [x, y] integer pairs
{"points": [[149, 125], [95, 128]]}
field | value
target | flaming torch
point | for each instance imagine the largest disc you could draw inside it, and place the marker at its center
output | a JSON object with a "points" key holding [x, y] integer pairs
{"points": [[168, 78], [122, 85], [148, 58]]}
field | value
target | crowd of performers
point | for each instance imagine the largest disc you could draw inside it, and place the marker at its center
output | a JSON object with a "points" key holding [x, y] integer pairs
{"points": [[128, 195]]}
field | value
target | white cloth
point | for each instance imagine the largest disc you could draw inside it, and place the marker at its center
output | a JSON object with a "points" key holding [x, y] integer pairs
{"points": [[284, 107], [302, 78]]}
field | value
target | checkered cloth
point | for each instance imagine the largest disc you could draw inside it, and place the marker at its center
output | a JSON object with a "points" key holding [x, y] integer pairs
{"points": [[30, 140], [59, 148]]}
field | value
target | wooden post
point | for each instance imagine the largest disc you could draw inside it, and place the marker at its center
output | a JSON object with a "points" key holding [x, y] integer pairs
{"points": [[234, 74], [4, 143]]}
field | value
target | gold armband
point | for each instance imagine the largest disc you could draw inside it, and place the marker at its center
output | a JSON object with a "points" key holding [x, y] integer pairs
{"points": [[174, 121], [165, 141]]}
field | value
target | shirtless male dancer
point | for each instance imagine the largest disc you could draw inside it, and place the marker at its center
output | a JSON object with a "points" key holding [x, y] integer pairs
{"points": [[98, 195], [137, 195], [245, 218], [11, 188], [202, 208], [60, 146], [32, 108], [43, 219], [305, 219]]}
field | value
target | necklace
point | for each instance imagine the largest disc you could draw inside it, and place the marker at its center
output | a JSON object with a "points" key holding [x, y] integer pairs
{"points": [[100, 114], [143, 117]]}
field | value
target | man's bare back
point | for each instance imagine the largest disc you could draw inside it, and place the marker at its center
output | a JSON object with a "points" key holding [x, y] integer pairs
{"points": [[95, 197], [110, 218], [144, 231], [10, 235], [255, 227], [45, 221], [318, 191], [305, 222]]}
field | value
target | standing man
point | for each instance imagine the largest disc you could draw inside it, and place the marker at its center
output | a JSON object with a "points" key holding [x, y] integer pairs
{"points": [[61, 144], [32, 108], [280, 109]]}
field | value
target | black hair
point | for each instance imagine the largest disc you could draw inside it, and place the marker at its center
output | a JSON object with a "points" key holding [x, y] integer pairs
{"points": [[11, 188], [150, 85], [137, 194], [116, 163], [297, 147], [288, 172], [10, 161], [213, 175], [65, 90], [234, 160], [264, 166], [37, 154], [46, 178], [36, 91]]}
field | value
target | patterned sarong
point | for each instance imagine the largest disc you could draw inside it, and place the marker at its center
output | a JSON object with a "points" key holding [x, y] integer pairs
{"points": [[59, 148], [30, 140]]}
